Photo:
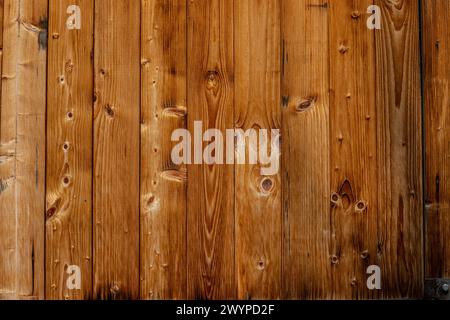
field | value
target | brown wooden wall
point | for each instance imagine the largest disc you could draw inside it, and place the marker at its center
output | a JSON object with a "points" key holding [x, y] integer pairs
{"points": [[87, 179]]}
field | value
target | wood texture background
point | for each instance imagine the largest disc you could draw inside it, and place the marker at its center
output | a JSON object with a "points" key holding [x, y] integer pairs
{"points": [[86, 176]]}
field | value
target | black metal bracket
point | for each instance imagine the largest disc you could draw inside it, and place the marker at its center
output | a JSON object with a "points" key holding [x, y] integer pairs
{"points": [[437, 289]]}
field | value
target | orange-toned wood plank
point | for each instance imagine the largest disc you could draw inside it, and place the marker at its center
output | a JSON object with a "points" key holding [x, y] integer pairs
{"points": [[399, 148], [116, 149], [306, 150], [69, 150], [436, 61], [163, 184], [211, 266], [258, 106], [353, 138]]}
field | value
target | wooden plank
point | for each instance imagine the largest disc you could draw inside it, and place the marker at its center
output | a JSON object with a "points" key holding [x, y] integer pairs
{"points": [[163, 184], [211, 267], [257, 104], [399, 149], [69, 150], [305, 150], [22, 150], [436, 62], [354, 200], [1, 48], [116, 149]]}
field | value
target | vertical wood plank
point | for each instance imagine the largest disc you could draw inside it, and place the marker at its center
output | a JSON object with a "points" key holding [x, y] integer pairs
{"points": [[211, 267], [69, 150], [353, 137], [399, 150], [1, 47], [163, 184], [258, 197], [116, 149], [436, 61], [22, 149], [305, 150]]}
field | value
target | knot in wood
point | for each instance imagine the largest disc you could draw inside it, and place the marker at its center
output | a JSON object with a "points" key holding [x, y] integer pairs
{"points": [[51, 212], [261, 265], [335, 198], [306, 104], [343, 48], [69, 66], [66, 146], [356, 14], [212, 80], [66, 181], [360, 206], [115, 289], [266, 185], [365, 254], [109, 111], [334, 259]]}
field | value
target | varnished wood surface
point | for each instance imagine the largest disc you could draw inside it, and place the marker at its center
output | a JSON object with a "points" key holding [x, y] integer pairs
{"points": [[87, 178]]}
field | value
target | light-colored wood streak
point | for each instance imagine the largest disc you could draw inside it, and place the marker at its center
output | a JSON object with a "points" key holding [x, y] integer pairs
{"points": [[210, 238], [163, 184], [399, 146], [305, 150], [116, 149], [353, 194], [22, 149], [69, 150], [257, 105], [436, 61]]}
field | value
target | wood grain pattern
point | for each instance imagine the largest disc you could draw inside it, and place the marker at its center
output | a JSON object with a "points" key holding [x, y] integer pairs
{"points": [[69, 150], [1, 49], [163, 184], [257, 105], [399, 145], [305, 150], [211, 263], [106, 195], [116, 149], [22, 149], [436, 62], [354, 200]]}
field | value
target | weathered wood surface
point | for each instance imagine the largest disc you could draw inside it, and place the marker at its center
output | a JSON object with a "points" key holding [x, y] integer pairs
{"points": [[210, 208], [107, 197], [399, 150], [436, 62], [69, 150], [353, 152], [163, 184], [305, 151], [22, 149], [257, 105], [116, 149]]}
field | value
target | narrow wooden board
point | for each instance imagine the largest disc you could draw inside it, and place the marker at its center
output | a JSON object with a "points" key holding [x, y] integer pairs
{"points": [[69, 150], [258, 106], [399, 146], [211, 266], [436, 62], [353, 140], [305, 150], [116, 149], [22, 149], [163, 184]]}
